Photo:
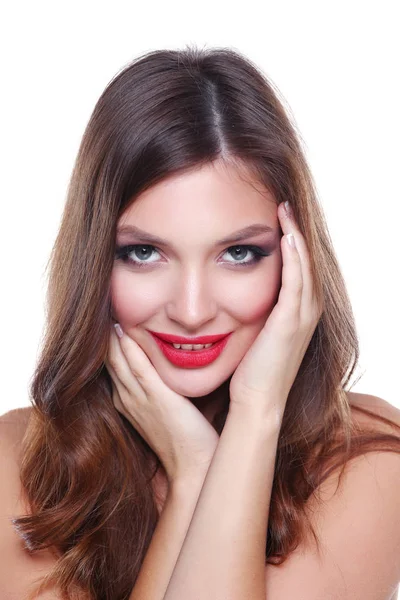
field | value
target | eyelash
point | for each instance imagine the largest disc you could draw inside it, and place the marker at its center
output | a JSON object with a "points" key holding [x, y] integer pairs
{"points": [[122, 253]]}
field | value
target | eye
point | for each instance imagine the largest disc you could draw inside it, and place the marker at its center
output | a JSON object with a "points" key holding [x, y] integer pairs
{"points": [[142, 251], [238, 252], [139, 255]]}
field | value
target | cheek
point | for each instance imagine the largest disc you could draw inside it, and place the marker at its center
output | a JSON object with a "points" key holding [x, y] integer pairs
{"points": [[253, 304], [248, 299], [252, 301], [131, 303]]}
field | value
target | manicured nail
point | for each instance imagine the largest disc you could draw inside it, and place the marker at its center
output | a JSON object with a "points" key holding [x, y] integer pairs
{"points": [[288, 208], [118, 329], [290, 239]]}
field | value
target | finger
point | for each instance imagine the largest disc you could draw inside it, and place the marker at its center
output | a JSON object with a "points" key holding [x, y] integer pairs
{"points": [[292, 286], [116, 385], [118, 393], [289, 225], [122, 370], [116, 398], [144, 373], [139, 363]]}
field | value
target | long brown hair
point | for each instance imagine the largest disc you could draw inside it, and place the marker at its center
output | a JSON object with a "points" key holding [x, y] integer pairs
{"points": [[85, 471]]}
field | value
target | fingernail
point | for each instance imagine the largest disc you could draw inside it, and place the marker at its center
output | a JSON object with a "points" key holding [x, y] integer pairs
{"points": [[288, 208], [118, 330], [290, 239]]}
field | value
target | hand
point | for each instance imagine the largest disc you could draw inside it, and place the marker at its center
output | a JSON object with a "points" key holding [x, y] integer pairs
{"points": [[265, 375], [173, 427]]}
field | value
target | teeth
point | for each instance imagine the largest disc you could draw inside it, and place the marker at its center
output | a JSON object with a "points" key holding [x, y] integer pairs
{"points": [[192, 346]]}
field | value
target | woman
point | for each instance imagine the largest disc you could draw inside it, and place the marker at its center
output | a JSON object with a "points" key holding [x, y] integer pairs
{"points": [[242, 469]]}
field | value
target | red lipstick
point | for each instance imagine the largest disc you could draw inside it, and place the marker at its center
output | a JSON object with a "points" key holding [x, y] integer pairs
{"points": [[178, 339], [191, 358]]}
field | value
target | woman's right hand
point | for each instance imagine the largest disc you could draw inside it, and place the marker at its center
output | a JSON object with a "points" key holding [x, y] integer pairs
{"points": [[173, 427]]}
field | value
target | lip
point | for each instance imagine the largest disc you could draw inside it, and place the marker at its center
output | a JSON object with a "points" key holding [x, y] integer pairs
{"points": [[192, 358], [178, 339]]}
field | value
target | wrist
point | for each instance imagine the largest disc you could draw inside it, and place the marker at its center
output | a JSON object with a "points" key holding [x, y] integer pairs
{"points": [[265, 415], [189, 482]]}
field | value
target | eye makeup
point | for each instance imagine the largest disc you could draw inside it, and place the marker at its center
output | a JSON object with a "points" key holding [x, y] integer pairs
{"points": [[125, 252]]}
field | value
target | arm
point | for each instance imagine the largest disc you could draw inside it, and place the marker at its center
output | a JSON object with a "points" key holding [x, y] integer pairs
{"points": [[167, 539], [223, 554]]}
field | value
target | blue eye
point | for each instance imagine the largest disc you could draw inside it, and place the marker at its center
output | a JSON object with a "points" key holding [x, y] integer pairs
{"points": [[237, 251], [124, 253]]}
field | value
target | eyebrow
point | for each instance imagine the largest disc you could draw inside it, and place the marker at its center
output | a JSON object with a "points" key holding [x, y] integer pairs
{"points": [[246, 232]]}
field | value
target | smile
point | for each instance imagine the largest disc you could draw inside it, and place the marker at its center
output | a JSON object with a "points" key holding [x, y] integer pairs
{"points": [[191, 346], [191, 356]]}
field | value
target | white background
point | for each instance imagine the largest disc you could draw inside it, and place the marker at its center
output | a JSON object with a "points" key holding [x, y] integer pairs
{"points": [[337, 64]]}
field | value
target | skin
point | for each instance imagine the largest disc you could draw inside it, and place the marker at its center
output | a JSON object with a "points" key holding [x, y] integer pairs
{"points": [[226, 537], [193, 287], [216, 518]]}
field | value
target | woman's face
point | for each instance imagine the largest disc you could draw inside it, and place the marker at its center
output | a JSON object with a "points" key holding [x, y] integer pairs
{"points": [[191, 284]]}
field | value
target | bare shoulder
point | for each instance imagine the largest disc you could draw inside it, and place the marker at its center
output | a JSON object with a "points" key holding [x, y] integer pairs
{"points": [[16, 417], [378, 406], [18, 569], [375, 467], [13, 425], [357, 524], [387, 463], [15, 421]]}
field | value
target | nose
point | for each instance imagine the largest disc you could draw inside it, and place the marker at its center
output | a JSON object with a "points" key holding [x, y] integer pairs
{"points": [[192, 301]]}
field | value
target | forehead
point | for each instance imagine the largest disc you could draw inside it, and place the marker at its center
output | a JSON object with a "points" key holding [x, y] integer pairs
{"points": [[217, 196]]}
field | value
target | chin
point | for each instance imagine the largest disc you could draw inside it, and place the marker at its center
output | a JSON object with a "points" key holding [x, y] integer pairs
{"points": [[193, 392], [199, 390]]}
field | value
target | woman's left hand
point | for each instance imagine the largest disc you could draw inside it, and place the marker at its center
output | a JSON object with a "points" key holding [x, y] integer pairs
{"points": [[265, 375]]}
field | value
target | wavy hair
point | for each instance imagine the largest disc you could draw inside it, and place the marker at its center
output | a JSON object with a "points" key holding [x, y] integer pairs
{"points": [[86, 472]]}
